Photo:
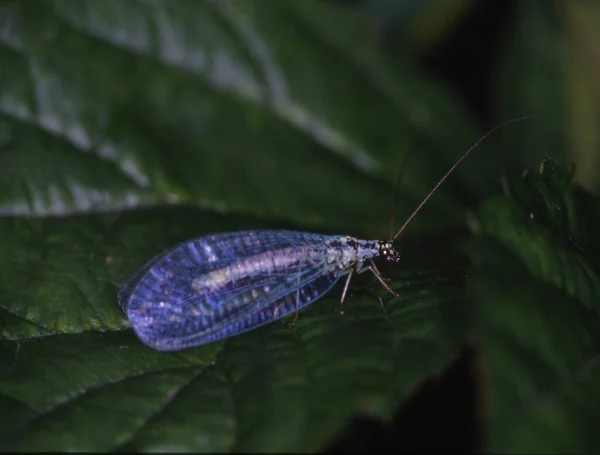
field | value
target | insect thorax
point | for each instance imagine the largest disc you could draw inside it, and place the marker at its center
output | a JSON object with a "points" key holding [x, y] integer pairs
{"points": [[359, 251], [347, 251]]}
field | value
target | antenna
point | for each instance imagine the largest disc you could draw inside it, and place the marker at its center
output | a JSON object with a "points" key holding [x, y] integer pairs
{"points": [[447, 174]]}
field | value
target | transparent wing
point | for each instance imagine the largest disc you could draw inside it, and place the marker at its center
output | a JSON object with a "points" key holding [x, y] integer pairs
{"points": [[169, 310], [205, 254]]}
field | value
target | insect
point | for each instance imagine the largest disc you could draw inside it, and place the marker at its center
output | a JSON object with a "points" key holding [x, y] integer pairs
{"points": [[213, 287]]}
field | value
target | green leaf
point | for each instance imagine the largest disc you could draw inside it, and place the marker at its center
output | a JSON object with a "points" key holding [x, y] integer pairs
{"points": [[544, 231], [271, 389], [240, 115], [221, 106], [241, 106], [259, 116], [537, 290]]}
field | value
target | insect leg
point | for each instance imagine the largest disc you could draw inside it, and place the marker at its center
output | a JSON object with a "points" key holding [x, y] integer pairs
{"points": [[344, 292], [296, 314], [378, 276], [377, 270]]}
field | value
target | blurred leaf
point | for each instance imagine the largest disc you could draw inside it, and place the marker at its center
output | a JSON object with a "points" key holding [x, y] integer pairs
{"points": [[549, 197], [537, 289], [549, 69], [582, 23], [417, 23], [432, 21], [545, 231], [532, 78], [243, 106]]}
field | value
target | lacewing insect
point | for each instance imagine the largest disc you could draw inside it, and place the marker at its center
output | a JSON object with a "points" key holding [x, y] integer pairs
{"points": [[213, 287]]}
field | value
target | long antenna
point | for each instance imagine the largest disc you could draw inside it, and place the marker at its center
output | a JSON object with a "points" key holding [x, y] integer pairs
{"points": [[437, 185]]}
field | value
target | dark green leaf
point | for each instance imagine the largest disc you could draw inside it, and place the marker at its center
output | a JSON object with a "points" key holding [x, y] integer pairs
{"points": [[253, 108], [73, 364], [538, 295], [544, 231], [548, 69], [248, 115], [244, 106]]}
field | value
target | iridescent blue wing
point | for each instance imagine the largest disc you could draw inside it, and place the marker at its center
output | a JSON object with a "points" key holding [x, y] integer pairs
{"points": [[216, 286]]}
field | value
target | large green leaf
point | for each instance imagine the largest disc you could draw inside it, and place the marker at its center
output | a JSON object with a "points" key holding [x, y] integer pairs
{"points": [[537, 286], [242, 105], [75, 378], [244, 114], [126, 127]]}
